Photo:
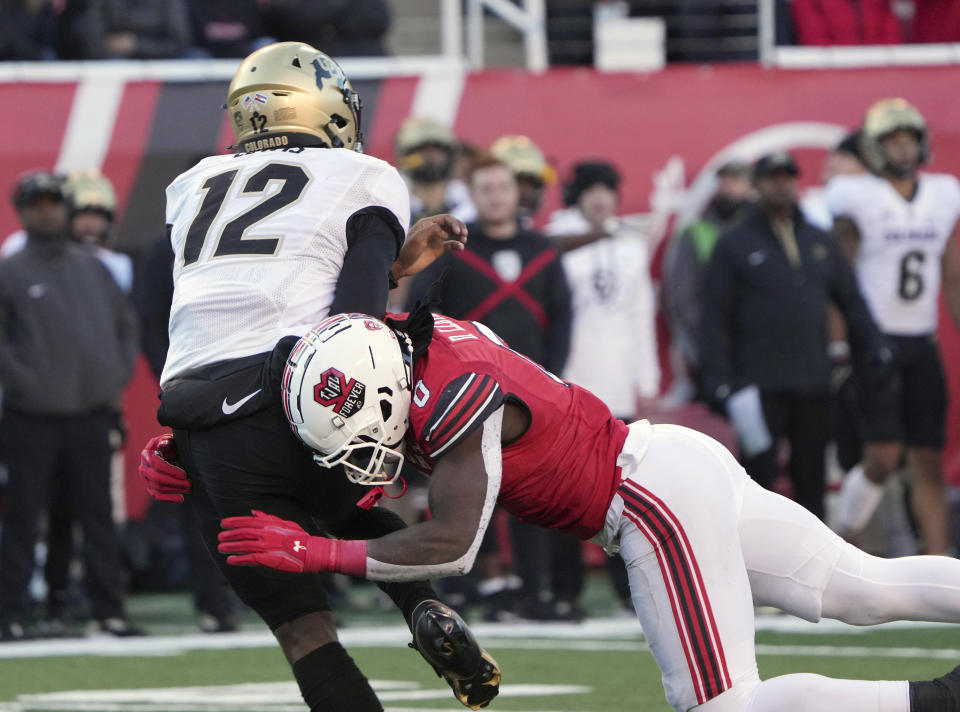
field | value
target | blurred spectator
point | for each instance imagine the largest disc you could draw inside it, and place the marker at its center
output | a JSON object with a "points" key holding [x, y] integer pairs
{"points": [[62, 372], [764, 312], [687, 256], [843, 160], [27, 30], [936, 21], [845, 22], [511, 280], [467, 155], [226, 28], [92, 205], [613, 344], [578, 224], [341, 28], [426, 154], [131, 29], [91, 202], [530, 167]]}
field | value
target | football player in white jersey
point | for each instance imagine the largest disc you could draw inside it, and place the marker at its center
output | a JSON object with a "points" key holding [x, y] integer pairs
{"points": [[897, 225], [297, 225]]}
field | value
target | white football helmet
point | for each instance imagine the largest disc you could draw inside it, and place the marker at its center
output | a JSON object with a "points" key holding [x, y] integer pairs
{"points": [[346, 393]]}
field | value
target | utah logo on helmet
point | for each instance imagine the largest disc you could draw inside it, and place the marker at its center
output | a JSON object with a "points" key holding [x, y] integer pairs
{"points": [[346, 394], [292, 94]]}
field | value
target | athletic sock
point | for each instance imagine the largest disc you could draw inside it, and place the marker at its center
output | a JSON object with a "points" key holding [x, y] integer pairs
{"points": [[859, 499], [330, 681]]}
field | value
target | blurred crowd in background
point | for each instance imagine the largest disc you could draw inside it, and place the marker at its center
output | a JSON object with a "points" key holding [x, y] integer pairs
{"points": [[696, 30], [572, 290]]}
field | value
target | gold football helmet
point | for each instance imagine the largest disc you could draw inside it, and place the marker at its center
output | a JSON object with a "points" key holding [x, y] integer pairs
{"points": [[90, 190], [882, 119], [524, 157], [292, 88]]}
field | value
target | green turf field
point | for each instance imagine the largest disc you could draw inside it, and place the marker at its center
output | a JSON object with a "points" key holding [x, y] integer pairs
{"points": [[551, 668], [599, 666]]}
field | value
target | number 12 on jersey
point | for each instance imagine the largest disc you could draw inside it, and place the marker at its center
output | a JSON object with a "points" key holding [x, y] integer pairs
{"points": [[232, 239]]}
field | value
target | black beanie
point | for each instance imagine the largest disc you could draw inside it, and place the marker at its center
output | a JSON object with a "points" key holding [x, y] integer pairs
{"points": [[587, 174]]}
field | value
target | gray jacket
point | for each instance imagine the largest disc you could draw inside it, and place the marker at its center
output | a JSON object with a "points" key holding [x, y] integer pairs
{"points": [[68, 336]]}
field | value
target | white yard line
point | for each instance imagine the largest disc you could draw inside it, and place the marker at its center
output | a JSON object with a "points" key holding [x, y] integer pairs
{"points": [[596, 634]]}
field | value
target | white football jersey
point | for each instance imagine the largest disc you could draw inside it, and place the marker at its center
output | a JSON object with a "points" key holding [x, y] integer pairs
{"points": [[259, 240], [901, 245]]}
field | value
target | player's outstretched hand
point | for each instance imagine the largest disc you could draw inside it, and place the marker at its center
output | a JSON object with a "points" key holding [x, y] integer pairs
{"points": [[426, 241], [266, 540], [163, 479]]}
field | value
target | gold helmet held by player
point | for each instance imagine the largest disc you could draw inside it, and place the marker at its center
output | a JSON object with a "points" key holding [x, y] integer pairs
{"points": [[524, 157], [90, 190], [884, 118], [287, 90]]}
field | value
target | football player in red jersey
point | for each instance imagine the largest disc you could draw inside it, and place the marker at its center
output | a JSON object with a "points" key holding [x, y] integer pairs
{"points": [[697, 534]]}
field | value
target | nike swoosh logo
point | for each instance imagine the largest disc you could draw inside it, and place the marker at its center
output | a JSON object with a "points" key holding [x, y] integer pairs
{"points": [[231, 408]]}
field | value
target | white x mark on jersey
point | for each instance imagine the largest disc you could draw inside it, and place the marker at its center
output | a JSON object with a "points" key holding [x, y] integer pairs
{"points": [[231, 408]]}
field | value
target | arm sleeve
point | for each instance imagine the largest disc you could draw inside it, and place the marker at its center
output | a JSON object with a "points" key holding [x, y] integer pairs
{"points": [[126, 327], [153, 295], [718, 303], [493, 466], [560, 314], [374, 238]]}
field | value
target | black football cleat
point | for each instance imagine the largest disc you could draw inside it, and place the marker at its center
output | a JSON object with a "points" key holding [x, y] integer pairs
{"points": [[446, 642]]}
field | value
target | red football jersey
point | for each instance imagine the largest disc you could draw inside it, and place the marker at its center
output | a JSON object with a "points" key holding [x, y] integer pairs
{"points": [[562, 472]]}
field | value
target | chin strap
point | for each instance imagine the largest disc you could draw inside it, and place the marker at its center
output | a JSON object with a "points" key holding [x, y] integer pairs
{"points": [[373, 496]]}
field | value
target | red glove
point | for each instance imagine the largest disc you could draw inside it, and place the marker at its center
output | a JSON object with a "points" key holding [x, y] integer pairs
{"points": [[164, 481], [265, 540]]}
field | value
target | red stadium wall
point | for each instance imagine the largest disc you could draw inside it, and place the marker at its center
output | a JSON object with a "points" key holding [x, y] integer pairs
{"points": [[640, 122]]}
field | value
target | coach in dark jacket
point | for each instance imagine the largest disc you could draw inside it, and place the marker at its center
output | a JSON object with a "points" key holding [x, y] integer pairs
{"points": [[68, 341], [764, 331]]}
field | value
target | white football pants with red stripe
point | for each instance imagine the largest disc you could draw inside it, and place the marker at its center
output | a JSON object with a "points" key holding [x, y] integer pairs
{"points": [[702, 541]]}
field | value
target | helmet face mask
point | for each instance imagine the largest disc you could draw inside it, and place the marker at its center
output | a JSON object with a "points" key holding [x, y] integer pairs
{"points": [[346, 395], [291, 94], [366, 463]]}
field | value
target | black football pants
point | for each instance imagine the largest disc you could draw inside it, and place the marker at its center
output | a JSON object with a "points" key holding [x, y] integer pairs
{"points": [[805, 423]]}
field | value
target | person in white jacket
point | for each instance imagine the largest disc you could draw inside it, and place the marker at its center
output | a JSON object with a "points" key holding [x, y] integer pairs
{"points": [[613, 348]]}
